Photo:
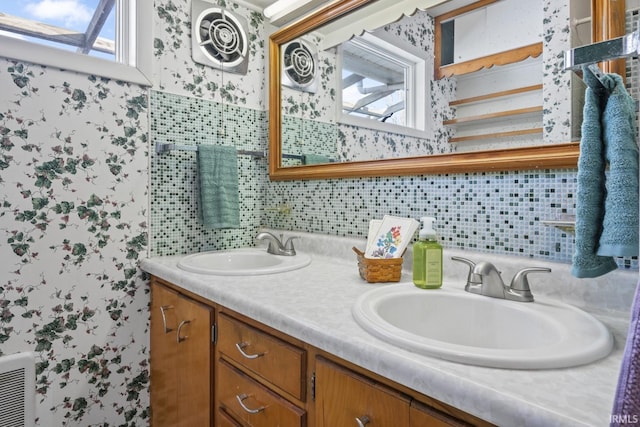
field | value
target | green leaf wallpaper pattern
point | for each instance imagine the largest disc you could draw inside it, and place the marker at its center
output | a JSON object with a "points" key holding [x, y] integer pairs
{"points": [[73, 201]]}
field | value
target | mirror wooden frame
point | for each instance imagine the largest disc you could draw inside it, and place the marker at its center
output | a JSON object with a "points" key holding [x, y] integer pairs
{"points": [[561, 155]]}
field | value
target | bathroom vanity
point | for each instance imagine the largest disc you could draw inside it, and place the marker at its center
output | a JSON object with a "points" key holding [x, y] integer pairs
{"points": [[229, 370], [283, 349]]}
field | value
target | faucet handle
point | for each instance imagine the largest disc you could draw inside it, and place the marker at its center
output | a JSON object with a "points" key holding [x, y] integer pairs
{"points": [[472, 277], [520, 283], [288, 246]]}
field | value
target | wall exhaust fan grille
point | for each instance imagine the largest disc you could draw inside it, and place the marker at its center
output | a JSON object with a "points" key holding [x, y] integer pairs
{"points": [[299, 66], [17, 390], [219, 38]]}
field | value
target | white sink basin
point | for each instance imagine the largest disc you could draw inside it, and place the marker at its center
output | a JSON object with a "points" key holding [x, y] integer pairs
{"points": [[462, 327], [242, 262]]}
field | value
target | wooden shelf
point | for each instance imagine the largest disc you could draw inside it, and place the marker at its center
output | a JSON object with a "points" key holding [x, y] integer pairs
{"points": [[490, 117], [482, 117], [503, 58], [496, 95], [496, 135]]}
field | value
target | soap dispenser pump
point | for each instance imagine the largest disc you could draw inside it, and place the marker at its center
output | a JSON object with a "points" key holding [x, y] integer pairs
{"points": [[427, 257]]}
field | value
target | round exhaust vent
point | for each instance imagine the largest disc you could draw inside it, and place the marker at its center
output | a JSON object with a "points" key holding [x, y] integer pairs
{"points": [[299, 66], [219, 38]]}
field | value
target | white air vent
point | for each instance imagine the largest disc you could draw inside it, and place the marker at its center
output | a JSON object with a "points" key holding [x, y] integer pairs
{"points": [[299, 66], [17, 390], [219, 38]]}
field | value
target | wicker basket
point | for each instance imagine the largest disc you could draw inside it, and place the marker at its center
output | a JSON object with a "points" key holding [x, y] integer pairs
{"points": [[376, 270]]}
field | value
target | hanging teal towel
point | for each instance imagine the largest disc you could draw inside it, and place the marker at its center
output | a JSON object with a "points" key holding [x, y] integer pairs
{"points": [[590, 191], [620, 225], [314, 159], [218, 172]]}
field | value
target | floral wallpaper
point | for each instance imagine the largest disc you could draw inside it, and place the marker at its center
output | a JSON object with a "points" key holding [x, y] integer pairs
{"points": [[73, 174]]}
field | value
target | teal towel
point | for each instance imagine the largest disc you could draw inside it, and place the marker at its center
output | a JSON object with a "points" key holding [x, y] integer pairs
{"points": [[314, 159], [219, 200], [620, 225], [590, 192]]}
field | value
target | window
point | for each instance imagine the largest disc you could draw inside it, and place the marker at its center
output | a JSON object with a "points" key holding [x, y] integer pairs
{"points": [[382, 86], [110, 38]]}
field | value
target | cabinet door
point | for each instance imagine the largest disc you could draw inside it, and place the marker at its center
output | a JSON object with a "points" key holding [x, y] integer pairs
{"points": [[195, 350], [181, 354], [164, 356], [422, 415], [344, 398]]}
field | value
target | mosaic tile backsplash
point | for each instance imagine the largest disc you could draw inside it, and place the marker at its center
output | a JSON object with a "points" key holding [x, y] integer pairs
{"points": [[496, 212], [185, 121]]}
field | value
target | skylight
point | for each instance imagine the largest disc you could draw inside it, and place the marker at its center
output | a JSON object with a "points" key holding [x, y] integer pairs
{"points": [[82, 26]]}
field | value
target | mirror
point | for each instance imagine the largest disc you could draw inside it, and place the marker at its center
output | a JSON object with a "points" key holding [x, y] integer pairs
{"points": [[557, 155]]}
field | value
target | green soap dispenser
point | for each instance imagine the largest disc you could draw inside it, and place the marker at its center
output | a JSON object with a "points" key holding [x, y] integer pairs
{"points": [[427, 257]]}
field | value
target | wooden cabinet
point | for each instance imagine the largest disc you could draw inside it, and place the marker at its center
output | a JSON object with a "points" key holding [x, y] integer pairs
{"points": [[181, 354], [264, 378]]}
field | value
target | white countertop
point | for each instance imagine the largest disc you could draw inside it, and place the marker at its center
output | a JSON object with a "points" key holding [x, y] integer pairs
{"points": [[313, 304]]}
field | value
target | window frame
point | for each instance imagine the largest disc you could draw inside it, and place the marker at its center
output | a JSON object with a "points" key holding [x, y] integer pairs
{"points": [[136, 52], [416, 98]]}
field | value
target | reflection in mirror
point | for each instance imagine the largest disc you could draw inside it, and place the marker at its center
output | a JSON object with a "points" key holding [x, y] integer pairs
{"points": [[373, 83], [375, 99], [330, 133]]}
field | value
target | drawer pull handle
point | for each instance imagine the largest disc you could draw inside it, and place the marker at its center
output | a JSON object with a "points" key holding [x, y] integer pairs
{"points": [[179, 339], [164, 318], [241, 398], [244, 345], [362, 421]]}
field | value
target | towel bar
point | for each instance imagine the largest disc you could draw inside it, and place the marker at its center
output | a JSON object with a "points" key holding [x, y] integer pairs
{"points": [[162, 148], [621, 47]]}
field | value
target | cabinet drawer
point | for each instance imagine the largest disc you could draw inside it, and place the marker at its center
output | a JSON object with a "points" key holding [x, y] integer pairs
{"points": [[280, 363], [253, 404], [225, 420]]}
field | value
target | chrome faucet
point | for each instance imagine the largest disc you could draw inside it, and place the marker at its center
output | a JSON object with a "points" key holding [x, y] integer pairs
{"points": [[275, 245], [485, 279]]}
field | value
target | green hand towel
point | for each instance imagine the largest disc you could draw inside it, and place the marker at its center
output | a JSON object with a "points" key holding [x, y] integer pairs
{"points": [[314, 159], [219, 200]]}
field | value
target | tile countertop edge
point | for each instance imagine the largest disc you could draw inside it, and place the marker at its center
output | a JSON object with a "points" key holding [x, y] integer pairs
{"points": [[462, 386]]}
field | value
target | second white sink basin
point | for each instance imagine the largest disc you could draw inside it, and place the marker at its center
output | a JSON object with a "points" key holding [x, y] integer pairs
{"points": [[242, 262], [462, 327]]}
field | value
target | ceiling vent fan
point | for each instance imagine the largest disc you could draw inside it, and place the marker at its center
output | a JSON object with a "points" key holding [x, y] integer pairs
{"points": [[300, 66], [219, 38]]}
